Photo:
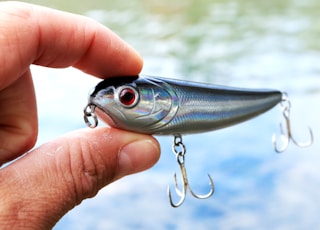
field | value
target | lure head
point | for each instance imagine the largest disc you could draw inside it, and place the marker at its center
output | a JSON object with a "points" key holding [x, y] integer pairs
{"points": [[132, 103]]}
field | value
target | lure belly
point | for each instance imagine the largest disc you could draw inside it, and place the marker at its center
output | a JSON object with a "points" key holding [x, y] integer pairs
{"points": [[162, 106]]}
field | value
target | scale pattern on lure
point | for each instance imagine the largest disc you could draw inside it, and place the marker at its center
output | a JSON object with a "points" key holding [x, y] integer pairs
{"points": [[162, 106], [165, 106]]}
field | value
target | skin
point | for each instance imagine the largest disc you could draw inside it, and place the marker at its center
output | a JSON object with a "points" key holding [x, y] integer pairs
{"points": [[45, 183]]}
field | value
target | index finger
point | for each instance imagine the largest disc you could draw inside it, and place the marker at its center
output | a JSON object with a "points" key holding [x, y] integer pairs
{"points": [[33, 34]]}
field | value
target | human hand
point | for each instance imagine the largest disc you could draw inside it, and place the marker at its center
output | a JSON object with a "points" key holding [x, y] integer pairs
{"points": [[40, 187]]}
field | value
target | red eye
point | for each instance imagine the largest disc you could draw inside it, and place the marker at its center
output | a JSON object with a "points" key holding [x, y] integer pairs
{"points": [[128, 97]]}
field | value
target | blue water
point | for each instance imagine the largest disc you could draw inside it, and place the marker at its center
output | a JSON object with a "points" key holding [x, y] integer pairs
{"points": [[254, 44]]}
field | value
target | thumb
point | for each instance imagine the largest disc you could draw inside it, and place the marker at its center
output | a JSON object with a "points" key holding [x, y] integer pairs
{"points": [[52, 179]]}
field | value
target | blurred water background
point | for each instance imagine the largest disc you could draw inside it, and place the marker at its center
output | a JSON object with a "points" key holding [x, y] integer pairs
{"points": [[243, 43]]}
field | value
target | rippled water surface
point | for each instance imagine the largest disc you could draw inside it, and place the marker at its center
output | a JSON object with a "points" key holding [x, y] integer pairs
{"points": [[247, 43]]}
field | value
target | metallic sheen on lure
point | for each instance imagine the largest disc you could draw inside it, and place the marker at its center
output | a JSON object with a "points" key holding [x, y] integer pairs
{"points": [[155, 105]]}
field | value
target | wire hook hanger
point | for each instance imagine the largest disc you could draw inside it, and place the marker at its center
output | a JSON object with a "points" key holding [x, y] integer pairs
{"points": [[285, 137], [179, 150]]}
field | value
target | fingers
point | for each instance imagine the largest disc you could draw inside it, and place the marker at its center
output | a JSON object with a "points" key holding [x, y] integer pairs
{"points": [[70, 169], [39, 188], [18, 118], [34, 34]]}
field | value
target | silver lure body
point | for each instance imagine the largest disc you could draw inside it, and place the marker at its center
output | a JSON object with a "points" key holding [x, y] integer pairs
{"points": [[155, 105]]}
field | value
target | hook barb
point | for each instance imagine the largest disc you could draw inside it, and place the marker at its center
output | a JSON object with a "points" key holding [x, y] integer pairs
{"points": [[205, 196], [285, 139], [181, 194], [304, 144]]}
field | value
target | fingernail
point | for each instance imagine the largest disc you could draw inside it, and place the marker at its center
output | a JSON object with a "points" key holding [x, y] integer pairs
{"points": [[137, 156]]}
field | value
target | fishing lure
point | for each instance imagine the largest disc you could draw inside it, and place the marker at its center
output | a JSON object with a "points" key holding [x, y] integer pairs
{"points": [[161, 106]]}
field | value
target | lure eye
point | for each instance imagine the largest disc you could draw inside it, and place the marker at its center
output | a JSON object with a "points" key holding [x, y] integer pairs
{"points": [[128, 96]]}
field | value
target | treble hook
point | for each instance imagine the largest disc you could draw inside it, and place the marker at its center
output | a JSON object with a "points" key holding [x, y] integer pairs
{"points": [[286, 137], [179, 150]]}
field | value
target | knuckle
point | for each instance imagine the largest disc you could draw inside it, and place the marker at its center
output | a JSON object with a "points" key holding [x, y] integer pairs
{"points": [[89, 169]]}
